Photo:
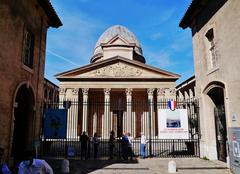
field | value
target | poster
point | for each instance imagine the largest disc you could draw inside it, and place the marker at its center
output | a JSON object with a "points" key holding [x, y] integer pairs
{"points": [[55, 123], [173, 124], [234, 148]]}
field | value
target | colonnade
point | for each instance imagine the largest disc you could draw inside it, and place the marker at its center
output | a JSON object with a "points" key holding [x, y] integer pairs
{"points": [[129, 116]]}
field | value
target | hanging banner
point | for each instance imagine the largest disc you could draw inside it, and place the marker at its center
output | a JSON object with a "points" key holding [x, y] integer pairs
{"points": [[55, 123], [173, 124]]}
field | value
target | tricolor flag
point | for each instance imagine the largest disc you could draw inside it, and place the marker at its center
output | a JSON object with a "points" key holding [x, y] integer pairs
{"points": [[172, 104]]}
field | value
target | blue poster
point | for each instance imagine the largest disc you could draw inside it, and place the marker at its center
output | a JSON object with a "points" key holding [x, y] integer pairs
{"points": [[55, 123]]}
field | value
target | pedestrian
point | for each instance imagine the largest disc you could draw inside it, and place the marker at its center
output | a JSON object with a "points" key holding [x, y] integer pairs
{"points": [[143, 145], [130, 150], [111, 144], [125, 142], [3, 165], [30, 165], [84, 139], [95, 144]]}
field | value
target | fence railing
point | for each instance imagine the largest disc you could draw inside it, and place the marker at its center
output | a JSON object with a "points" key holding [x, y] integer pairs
{"points": [[62, 148], [142, 111]]}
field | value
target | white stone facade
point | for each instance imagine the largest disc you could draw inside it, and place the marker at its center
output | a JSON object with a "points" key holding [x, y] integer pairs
{"points": [[118, 74]]}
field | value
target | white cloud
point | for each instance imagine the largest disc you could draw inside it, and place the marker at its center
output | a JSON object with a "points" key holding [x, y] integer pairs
{"points": [[63, 58]]}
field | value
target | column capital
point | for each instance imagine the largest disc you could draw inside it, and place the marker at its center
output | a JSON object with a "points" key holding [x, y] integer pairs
{"points": [[129, 91], [150, 91], [107, 91], [161, 91], [62, 90], [85, 91], [75, 91], [172, 92]]}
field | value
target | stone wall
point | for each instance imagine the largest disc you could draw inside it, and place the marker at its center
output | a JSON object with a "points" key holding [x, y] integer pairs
{"points": [[16, 16], [226, 28]]}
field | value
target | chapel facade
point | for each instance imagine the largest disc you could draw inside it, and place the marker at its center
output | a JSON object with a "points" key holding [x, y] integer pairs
{"points": [[112, 91]]}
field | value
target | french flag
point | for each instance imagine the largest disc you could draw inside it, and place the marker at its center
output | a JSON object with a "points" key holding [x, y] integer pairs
{"points": [[172, 104]]}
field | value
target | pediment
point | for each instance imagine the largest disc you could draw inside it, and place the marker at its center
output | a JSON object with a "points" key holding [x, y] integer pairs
{"points": [[117, 68], [117, 40]]}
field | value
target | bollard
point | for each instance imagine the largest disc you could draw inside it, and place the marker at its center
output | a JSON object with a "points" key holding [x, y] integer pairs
{"points": [[65, 166], [228, 162], [172, 168]]}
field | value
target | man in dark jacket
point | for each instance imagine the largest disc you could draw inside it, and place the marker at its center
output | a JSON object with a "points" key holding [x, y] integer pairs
{"points": [[84, 139]]}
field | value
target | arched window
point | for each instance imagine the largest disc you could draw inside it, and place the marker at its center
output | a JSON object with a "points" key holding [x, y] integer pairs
{"points": [[212, 61]]}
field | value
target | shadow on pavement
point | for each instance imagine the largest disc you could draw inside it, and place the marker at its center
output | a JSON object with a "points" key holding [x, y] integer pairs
{"points": [[86, 166]]}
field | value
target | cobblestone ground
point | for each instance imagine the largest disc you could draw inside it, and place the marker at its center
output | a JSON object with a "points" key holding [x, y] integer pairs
{"points": [[143, 166]]}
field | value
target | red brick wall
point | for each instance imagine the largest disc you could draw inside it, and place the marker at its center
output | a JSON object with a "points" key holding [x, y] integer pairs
{"points": [[15, 16]]}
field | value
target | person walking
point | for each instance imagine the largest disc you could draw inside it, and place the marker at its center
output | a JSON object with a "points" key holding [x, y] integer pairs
{"points": [[30, 165], [3, 165], [84, 139], [143, 145], [111, 144], [130, 150], [125, 143], [95, 144]]}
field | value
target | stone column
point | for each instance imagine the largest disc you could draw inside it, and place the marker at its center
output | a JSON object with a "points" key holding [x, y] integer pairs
{"points": [[190, 94], [62, 96], [73, 113], [180, 96], [160, 98], [150, 92], [94, 129], [130, 119], [85, 109], [106, 122], [186, 96]]}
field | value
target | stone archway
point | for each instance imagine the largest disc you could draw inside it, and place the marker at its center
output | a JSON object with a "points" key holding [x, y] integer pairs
{"points": [[23, 122], [215, 91]]}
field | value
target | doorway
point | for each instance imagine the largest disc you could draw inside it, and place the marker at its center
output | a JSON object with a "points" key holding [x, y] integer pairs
{"points": [[217, 96], [23, 122], [118, 122]]}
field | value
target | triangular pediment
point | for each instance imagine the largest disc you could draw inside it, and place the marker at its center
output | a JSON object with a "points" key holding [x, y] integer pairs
{"points": [[118, 68], [117, 40]]}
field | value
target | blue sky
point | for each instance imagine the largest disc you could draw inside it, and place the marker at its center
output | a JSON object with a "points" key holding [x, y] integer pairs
{"points": [[154, 22]]}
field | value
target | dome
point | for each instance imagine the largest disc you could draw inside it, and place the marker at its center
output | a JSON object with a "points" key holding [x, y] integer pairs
{"points": [[117, 31]]}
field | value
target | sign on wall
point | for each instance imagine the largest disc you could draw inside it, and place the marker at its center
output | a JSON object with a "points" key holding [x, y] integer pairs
{"points": [[234, 148], [55, 123], [173, 124]]}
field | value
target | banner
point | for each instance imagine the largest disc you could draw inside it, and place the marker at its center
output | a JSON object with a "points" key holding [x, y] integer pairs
{"points": [[55, 123], [173, 124]]}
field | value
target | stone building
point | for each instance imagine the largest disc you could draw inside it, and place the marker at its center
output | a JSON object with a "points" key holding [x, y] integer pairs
{"points": [[114, 89], [51, 92], [186, 89], [23, 29], [215, 26]]}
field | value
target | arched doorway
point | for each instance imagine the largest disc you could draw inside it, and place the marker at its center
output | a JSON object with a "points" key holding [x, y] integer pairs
{"points": [[216, 93], [23, 122]]}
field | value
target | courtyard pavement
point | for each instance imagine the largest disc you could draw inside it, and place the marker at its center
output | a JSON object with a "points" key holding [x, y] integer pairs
{"points": [[143, 166]]}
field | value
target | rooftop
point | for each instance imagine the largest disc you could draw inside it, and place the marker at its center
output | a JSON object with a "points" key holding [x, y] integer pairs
{"points": [[54, 20]]}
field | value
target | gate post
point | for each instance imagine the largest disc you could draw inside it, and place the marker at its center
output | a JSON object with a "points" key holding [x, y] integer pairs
{"points": [[150, 127], [150, 92]]}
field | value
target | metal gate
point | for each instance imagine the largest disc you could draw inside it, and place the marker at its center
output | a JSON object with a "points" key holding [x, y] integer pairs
{"points": [[221, 132], [134, 118]]}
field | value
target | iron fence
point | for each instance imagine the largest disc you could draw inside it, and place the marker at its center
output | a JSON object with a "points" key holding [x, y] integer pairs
{"points": [[143, 117]]}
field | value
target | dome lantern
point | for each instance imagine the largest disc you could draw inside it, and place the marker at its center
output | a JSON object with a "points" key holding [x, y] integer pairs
{"points": [[117, 41]]}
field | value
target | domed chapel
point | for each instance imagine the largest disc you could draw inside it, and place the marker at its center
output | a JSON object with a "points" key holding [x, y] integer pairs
{"points": [[113, 92]]}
